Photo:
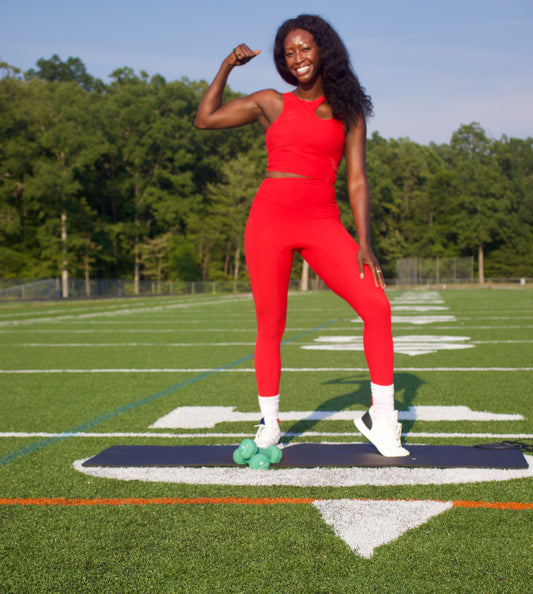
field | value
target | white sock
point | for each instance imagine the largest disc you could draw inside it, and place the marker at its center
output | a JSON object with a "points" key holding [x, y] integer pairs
{"points": [[382, 400], [269, 406]]}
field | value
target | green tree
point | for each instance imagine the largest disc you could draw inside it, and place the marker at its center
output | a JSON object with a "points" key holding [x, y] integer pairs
{"points": [[481, 199], [512, 257], [68, 142], [17, 153], [229, 203], [150, 129], [73, 70]]}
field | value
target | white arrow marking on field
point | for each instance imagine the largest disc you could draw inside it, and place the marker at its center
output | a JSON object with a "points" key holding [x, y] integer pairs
{"points": [[199, 417], [406, 345], [365, 525]]}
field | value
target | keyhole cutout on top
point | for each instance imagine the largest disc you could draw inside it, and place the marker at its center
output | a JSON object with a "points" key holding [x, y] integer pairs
{"points": [[323, 112]]}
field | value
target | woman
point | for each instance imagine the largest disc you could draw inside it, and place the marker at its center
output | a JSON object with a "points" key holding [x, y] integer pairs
{"points": [[307, 133]]}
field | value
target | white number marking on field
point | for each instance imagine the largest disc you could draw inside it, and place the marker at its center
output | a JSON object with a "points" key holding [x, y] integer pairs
{"points": [[203, 417]]}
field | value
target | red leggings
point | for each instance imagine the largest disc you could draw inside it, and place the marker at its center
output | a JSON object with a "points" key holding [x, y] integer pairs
{"points": [[299, 214]]}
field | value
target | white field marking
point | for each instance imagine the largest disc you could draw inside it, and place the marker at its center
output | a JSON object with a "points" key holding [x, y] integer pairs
{"points": [[135, 330], [127, 344], [59, 308], [251, 330], [419, 320], [501, 341], [406, 345], [93, 331], [496, 317], [125, 311], [204, 417], [366, 525], [150, 321], [308, 477], [238, 436], [498, 328], [419, 296], [419, 308], [343, 339], [416, 300], [251, 370]]}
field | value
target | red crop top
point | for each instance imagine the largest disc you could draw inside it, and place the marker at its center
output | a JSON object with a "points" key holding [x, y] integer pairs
{"points": [[300, 142]]}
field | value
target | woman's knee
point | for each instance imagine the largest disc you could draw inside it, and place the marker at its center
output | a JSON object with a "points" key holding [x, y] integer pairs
{"points": [[374, 307]]}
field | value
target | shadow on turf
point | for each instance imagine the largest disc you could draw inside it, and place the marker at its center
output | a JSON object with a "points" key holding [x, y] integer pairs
{"points": [[406, 386]]}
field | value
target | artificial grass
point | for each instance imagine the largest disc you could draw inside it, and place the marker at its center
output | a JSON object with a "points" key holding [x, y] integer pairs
{"points": [[232, 548]]}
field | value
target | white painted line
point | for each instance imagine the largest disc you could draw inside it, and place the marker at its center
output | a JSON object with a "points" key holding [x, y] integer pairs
{"points": [[422, 308], [306, 434], [496, 317], [419, 295], [178, 330], [419, 320], [126, 311], [128, 344], [349, 340], [502, 341], [251, 370]]}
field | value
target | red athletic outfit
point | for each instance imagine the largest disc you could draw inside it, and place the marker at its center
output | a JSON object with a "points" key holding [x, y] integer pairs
{"points": [[300, 214]]}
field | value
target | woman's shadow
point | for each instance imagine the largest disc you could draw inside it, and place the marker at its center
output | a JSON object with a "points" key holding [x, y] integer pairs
{"points": [[406, 386]]}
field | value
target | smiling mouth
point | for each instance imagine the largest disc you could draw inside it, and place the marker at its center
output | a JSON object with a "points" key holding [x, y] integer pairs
{"points": [[303, 69]]}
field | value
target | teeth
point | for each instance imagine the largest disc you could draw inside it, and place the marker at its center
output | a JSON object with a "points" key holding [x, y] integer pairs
{"points": [[303, 69]]}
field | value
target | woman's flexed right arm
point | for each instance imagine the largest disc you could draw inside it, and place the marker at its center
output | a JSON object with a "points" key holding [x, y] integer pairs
{"points": [[212, 115]]}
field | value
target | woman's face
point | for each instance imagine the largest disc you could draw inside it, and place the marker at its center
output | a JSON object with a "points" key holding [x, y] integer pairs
{"points": [[302, 55]]}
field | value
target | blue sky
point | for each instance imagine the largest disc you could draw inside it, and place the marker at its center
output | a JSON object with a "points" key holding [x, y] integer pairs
{"points": [[429, 65]]}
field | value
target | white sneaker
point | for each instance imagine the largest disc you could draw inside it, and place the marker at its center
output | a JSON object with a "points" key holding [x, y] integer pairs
{"points": [[384, 433], [268, 434]]}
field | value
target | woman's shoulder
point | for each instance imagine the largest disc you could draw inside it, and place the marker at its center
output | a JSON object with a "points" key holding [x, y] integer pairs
{"points": [[270, 102], [268, 96]]}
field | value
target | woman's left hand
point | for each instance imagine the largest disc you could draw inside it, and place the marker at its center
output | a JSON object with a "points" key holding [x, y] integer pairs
{"points": [[366, 256]]}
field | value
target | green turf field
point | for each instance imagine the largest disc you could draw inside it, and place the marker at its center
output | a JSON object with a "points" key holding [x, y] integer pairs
{"points": [[81, 376]]}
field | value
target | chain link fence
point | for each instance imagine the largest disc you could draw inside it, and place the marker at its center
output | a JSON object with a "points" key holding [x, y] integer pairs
{"points": [[410, 272], [429, 271], [17, 289]]}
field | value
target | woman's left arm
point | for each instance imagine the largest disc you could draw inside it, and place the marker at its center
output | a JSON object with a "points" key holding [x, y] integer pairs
{"points": [[359, 195]]}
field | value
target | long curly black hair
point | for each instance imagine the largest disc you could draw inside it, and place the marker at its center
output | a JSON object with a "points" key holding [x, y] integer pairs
{"points": [[342, 89]]}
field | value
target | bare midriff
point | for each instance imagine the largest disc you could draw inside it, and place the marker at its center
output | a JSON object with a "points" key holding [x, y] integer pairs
{"points": [[283, 174]]}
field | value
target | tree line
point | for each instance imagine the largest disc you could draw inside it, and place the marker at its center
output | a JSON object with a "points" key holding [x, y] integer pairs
{"points": [[111, 180]]}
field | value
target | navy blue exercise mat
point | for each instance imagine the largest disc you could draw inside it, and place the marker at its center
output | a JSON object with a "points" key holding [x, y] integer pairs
{"points": [[311, 455]]}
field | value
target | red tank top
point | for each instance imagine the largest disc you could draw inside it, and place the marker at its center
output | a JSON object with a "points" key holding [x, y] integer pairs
{"points": [[298, 141]]}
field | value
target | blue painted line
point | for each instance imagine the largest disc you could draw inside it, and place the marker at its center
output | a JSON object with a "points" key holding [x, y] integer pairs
{"points": [[39, 445]]}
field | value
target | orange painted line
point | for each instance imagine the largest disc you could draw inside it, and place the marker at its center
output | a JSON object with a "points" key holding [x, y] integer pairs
{"points": [[157, 501], [514, 505], [114, 501]]}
